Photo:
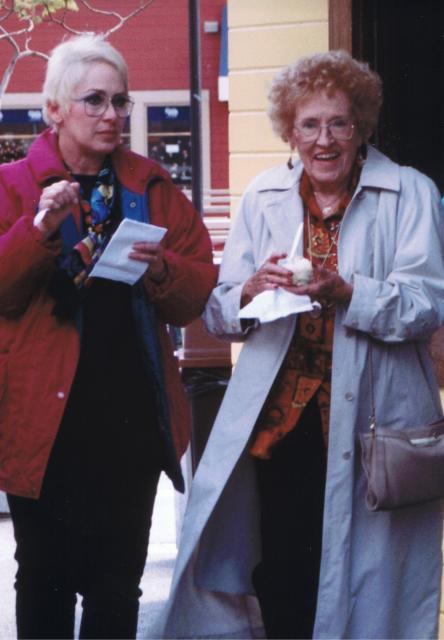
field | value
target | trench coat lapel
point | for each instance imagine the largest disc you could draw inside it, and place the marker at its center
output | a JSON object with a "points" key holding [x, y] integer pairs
{"points": [[283, 211]]}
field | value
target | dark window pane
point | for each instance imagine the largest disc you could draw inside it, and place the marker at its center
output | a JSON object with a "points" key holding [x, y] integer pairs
{"points": [[169, 141]]}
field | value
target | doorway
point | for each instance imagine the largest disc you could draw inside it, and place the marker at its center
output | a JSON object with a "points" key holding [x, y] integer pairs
{"points": [[403, 40]]}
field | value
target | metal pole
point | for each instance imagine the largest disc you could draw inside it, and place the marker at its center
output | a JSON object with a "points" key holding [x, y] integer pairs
{"points": [[195, 103]]}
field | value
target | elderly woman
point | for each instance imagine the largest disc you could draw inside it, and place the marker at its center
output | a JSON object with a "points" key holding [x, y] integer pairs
{"points": [[277, 509], [92, 407]]}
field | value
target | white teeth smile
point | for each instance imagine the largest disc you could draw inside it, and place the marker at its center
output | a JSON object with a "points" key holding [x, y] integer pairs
{"points": [[326, 156]]}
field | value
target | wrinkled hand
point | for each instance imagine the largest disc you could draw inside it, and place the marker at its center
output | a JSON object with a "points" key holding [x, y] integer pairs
{"points": [[326, 287], [268, 277], [153, 254], [56, 202]]}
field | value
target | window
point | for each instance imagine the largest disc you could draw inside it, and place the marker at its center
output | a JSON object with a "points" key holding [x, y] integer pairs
{"points": [[18, 128], [169, 141]]}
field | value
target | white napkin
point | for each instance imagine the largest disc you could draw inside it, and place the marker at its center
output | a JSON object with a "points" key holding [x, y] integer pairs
{"points": [[278, 303], [114, 262]]}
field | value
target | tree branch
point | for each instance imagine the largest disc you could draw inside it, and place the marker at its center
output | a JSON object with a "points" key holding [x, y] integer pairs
{"points": [[31, 19], [8, 9], [120, 19], [61, 23]]}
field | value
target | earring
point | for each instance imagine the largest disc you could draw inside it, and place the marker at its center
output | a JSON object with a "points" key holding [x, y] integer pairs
{"points": [[290, 163], [362, 154]]}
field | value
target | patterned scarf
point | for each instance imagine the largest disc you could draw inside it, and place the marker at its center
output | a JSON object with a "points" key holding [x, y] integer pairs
{"points": [[70, 280]]}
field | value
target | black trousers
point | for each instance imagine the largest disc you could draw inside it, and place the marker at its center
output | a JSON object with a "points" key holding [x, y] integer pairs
{"points": [[291, 489], [88, 533]]}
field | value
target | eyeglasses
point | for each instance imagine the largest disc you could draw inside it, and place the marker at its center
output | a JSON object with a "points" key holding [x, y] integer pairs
{"points": [[339, 129], [97, 103]]}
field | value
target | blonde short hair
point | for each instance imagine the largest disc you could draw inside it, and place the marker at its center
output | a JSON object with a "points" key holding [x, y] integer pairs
{"points": [[330, 72], [67, 65]]}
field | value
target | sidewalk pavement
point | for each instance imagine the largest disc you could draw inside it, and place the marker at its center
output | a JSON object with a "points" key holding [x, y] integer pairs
{"points": [[156, 578]]}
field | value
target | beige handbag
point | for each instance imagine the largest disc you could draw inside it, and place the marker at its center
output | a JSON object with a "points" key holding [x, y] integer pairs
{"points": [[402, 467]]}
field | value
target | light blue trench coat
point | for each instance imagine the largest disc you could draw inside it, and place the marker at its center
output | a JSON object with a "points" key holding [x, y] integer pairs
{"points": [[380, 572]]}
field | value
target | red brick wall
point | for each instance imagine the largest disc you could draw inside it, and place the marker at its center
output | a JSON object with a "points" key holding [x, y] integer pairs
{"points": [[155, 46]]}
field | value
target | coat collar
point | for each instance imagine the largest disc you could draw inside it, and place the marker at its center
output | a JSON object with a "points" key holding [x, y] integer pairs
{"points": [[380, 172], [283, 209]]}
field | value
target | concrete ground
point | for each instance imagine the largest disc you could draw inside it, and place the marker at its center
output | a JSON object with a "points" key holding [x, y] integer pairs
{"points": [[155, 582]]}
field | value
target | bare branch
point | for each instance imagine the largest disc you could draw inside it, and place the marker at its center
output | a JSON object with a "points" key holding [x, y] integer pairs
{"points": [[120, 19], [104, 12], [48, 16], [61, 23], [9, 10], [4, 82], [4, 35], [13, 34], [7, 74], [49, 13]]}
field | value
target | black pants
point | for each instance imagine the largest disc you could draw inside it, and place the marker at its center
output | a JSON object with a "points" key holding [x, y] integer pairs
{"points": [[291, 488], [88, 532]]}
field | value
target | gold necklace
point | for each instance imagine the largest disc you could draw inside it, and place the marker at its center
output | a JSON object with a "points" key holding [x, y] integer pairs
{"points": [[318, 311], [333, 243]]}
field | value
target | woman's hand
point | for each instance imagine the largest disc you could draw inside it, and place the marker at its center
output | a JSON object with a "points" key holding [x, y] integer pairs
{"points": [[55, 205], [152, 253], [268, 277], [326, 287]]}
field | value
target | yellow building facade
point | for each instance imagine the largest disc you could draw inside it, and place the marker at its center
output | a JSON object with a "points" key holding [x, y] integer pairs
{"points": [[263, 36]]}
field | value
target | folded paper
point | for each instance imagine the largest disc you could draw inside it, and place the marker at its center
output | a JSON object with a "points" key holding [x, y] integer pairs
{"points": [[114, 263], [271, 305]]}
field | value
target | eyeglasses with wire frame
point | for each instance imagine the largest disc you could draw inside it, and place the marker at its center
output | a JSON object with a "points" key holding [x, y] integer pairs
{"points": [[97, 103], [339, 129]]}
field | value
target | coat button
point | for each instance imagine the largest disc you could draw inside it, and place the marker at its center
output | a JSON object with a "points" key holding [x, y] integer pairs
{"points": [[60, 395], [346, 455], [132, 204], [349, 395]]}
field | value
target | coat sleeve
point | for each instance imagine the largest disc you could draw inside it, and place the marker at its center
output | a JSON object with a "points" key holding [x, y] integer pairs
{"points": [[238, 264], [181, 297], [408, 302], [25, 257]]}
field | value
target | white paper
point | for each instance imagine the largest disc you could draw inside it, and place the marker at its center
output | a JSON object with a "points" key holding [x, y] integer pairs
{"points": [[278, 303], [114, 262]]}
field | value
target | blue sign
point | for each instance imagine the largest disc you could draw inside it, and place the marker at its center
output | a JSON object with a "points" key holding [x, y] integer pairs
{"points": [[21, 116], [169, 118]]}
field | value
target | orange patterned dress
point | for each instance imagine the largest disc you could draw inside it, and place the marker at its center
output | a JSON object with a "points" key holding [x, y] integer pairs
{"points": [[306, 368]]}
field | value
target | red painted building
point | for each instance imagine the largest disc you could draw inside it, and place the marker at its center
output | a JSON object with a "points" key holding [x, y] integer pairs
{"points": [[155, 45]]}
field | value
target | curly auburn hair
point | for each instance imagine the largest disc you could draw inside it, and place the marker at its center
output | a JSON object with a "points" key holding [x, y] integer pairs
{"points": [[330, 71]]}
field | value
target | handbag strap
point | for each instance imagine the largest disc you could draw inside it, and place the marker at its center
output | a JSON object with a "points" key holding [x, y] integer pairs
{"points": [[372, 417]]}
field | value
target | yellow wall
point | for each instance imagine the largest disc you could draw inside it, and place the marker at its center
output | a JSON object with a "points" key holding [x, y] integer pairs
{"points": [[264, 36]]}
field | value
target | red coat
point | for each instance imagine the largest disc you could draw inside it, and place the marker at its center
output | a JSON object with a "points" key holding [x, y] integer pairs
{"points": [[38, 352]]}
